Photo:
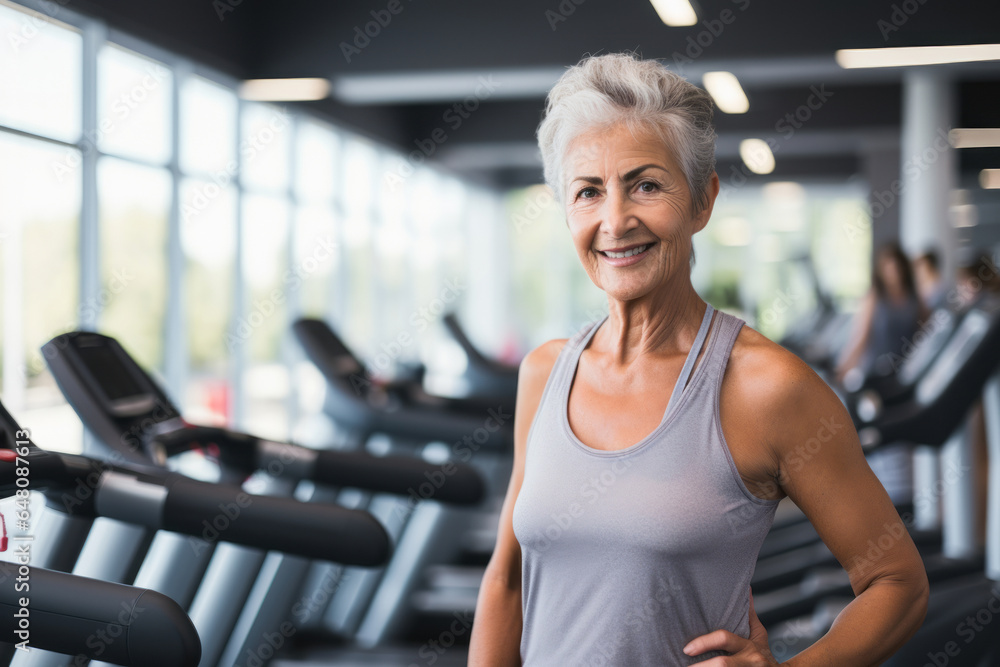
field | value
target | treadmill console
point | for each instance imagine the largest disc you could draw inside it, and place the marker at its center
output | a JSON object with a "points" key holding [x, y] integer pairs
{"points": [[111, 393], [116, 384]]}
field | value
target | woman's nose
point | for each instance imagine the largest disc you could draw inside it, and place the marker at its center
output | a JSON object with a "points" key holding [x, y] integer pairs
{"points": [[619, 215]]}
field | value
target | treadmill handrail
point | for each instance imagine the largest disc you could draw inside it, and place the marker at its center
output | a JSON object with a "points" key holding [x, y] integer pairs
{"points": [[75, 615], [450, 482], [161, 500]]}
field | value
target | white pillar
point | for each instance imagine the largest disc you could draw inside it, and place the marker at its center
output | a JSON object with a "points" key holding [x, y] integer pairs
{"points": [[928, 170]]}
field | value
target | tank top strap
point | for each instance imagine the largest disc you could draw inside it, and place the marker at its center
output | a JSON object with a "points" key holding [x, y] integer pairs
{"points": [[574, 346], [565, 364], [692, 357], [727, 327]]}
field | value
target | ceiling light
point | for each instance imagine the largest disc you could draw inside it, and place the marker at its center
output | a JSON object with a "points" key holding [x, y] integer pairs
{"points": [[908, 56], [445, 85], [989, 179], [675, 13], [757, 156], [974, 137], [284, 90], [727, 92]]}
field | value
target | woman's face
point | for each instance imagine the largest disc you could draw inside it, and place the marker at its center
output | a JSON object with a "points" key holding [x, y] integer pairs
{"points": [[626, 195], [892, 276]]}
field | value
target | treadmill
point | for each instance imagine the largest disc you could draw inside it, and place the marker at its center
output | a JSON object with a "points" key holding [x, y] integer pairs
{"points": [[246, 593], [479, 431], [957, 630], [365, 408], [144, 499], [134, 501], [62, 613], [484, 376]]}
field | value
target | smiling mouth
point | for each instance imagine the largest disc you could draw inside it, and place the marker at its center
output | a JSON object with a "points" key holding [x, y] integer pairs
{"points": [[626, 253]]}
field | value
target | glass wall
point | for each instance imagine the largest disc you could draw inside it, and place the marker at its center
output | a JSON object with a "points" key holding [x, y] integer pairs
{"points": [[208, 201], [134, 205], [156, 206], [39, 240], [40, 203]]}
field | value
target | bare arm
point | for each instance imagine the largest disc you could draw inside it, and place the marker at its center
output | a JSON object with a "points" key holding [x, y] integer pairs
{"points": [[496, 633], [797, 439], [851, 511]]}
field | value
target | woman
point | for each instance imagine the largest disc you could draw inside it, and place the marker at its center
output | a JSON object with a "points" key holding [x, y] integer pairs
{"points": [[635, 513], [887, 319]]}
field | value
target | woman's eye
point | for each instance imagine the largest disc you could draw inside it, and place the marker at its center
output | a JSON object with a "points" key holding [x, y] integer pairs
{"points": [[647, 187], [587, 193]]}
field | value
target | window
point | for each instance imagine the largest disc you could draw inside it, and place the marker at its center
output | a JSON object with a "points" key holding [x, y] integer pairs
{"points": [[197, 261], [359, 274], [39, 214], [539, 237], [40, 74], [395, 251], [208, 138], [209, 199], [440, 251], [317, 248], [264, 148], [262, 325], [208, 238], [40, 273], [133, 105], [134, 207]]}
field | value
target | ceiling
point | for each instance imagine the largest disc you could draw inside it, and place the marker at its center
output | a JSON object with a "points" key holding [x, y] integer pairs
{"points": [[782, 51]]}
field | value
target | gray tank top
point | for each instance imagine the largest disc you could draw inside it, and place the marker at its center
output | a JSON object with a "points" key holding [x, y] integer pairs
{"points": [[893, 326], [628, 555]]}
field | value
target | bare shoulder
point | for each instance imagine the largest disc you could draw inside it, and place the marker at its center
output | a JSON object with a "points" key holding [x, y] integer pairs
{"points": [[537, 364], [759, 367], [772, 389]]}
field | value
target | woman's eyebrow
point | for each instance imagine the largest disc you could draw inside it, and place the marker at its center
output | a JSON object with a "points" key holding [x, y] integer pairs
{"points": [[597, 180], [638, 170]]}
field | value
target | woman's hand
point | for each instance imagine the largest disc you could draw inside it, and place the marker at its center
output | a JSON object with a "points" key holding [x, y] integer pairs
{"points": [[752, 652]]}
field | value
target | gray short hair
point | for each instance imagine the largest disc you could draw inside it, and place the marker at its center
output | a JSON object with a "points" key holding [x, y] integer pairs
{"points": [[602, 91]]}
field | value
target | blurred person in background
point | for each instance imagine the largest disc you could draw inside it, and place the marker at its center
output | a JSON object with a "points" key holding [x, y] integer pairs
{"points": [[930, 286], [888, 317]]}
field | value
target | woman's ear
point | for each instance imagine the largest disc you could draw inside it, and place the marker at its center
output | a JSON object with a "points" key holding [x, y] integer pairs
{"points": [[702, 216]]}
